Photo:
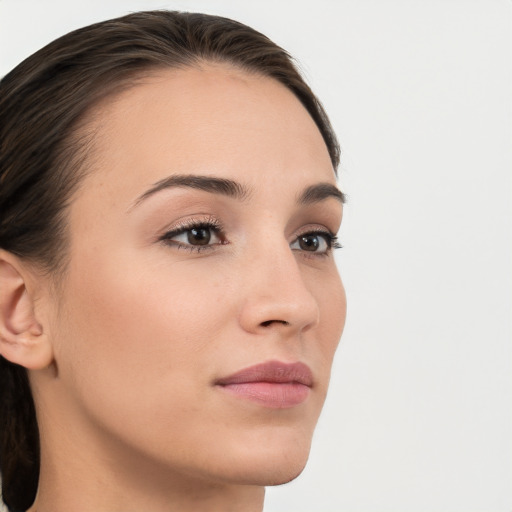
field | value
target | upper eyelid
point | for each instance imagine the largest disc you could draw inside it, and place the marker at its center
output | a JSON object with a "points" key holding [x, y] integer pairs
{"points": [[184, 225], [315, 228], [184, 229]]}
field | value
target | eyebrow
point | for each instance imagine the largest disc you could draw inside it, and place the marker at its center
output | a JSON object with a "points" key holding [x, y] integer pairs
{"points": [[230, 188], [225, 187], [321, 192]]}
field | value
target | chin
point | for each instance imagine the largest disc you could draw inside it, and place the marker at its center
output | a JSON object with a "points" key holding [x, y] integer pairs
{"points": [[284, 476], [281, 472], [270, 466], [278, 473]]}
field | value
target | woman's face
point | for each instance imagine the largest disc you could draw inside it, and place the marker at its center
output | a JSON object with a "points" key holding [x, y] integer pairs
{"points": [[199, 250]]}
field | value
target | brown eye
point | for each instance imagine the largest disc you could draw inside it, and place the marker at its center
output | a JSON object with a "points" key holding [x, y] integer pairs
{"points": [[317, 242], [309, 242], [195, 236], [199, 236]]}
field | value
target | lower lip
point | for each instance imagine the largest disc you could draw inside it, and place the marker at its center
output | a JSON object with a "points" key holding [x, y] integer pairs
{"points": [[273, 395]]}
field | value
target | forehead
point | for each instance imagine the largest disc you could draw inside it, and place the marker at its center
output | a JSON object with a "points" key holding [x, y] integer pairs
{"points": [[211, 120]]}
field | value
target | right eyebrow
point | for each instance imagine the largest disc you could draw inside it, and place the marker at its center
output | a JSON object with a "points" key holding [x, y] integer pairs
{"points": [[210, 184]]}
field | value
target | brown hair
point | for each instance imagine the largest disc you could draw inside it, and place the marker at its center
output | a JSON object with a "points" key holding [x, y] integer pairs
{"points": [[43, 152]]}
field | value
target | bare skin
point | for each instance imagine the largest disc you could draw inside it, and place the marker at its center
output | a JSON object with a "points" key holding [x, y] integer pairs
{"points": [[125, 362]]}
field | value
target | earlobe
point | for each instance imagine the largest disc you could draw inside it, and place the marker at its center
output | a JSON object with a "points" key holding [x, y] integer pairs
{"points": [[22, 338]]}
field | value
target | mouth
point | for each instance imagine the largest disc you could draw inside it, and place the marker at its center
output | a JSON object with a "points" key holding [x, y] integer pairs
{"points": [[274, 384]]}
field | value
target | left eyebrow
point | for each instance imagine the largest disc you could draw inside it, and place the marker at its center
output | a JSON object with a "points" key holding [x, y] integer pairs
{"points": [[320, 192]]}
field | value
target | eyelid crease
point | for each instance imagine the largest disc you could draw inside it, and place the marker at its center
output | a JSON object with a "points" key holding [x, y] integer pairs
{"points": [[313, 228]]}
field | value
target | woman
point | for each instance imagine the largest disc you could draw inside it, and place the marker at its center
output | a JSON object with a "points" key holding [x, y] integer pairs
{"points": [[170, 304]]}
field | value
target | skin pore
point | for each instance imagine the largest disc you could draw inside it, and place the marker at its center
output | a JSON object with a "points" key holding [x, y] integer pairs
{"points": [[200, 245]]}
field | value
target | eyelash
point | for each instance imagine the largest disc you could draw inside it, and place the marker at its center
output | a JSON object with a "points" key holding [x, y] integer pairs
{"points": [[215, 227]]}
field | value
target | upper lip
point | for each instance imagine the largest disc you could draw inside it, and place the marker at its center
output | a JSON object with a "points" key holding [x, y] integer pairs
{"points": [[271, 371]]}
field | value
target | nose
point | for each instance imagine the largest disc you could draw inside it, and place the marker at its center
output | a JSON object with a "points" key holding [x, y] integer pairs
{"points": [[276, 295]]}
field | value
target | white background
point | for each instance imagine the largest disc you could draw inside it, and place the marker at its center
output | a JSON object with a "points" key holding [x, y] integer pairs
{"points": [[419, 414]]}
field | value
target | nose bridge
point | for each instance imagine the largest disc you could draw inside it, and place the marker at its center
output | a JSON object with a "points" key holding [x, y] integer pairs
{"points": [[276, 292]]}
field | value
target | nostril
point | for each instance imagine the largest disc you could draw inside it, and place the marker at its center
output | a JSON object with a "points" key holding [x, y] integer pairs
{"points": [[270, 322]]}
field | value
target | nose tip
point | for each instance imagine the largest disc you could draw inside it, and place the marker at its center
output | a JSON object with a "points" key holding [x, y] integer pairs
{"points": [[280, 302]]}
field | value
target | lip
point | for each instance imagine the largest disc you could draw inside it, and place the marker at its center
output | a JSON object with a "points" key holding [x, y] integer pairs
{"points": [[274, 384]]}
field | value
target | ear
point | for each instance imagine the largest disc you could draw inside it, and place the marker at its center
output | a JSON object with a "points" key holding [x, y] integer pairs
{"points": [[22, 340]]}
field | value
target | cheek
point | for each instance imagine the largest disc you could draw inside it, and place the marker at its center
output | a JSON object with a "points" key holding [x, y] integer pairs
{"points": [[140, 333], [332, 303]]}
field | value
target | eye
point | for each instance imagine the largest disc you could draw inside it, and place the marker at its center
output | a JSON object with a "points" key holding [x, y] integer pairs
{"points": [[319, 242], [194, 236], [200, 235]]}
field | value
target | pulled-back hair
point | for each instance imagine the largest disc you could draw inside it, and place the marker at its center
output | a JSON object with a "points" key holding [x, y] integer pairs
{"points": [[44, 104]]}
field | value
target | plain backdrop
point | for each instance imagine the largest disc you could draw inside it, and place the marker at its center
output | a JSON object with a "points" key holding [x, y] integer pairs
{"points": [[418, 418]]}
